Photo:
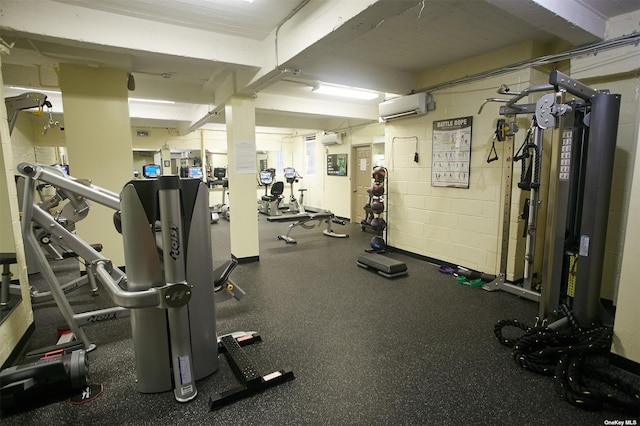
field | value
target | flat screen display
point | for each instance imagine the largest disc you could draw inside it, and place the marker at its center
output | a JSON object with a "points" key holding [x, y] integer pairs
{"points": [[195, 172], [151, 170]]}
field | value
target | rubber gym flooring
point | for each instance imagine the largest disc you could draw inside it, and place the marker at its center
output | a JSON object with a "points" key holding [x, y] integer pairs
{"points": [[365, 350]]}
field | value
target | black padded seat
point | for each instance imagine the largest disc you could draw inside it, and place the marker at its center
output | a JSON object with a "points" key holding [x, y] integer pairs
{"points": [[276, 192]]}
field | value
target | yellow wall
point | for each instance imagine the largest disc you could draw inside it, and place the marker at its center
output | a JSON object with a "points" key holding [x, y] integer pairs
{"points": [[617, 70], [16, 324]]}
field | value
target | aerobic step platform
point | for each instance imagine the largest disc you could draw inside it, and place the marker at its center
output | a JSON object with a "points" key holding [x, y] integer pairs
{"points": [[385, 266]]}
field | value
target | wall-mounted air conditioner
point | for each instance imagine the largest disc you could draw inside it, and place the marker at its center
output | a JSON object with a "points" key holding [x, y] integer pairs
{"points": [[403, 106], [330, 138]]}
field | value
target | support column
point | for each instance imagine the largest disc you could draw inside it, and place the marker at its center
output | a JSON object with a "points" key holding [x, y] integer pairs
{"points": [[18, 321], [98, 135], [241, 151]]}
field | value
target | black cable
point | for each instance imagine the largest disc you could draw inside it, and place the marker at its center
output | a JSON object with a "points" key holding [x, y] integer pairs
{"points": [[570, 355]]}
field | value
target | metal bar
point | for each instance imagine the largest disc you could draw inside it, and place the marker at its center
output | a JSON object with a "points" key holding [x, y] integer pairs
{"points": [[44, 267], [532, 225], [563, 81], [127, 299], [175, 273], [59, 179], [507, 169], [529, 90], [603, 132]]}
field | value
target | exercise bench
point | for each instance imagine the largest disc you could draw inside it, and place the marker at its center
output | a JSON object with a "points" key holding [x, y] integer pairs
{"points": [[326, 215]]}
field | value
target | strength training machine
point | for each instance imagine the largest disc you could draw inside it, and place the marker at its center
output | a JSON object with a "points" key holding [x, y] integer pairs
{"points": [[169, 286], [573, 332], [582, 157]]}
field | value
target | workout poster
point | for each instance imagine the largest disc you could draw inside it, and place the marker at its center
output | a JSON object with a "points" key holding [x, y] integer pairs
{"points": [[451, 152], [337, 164]]}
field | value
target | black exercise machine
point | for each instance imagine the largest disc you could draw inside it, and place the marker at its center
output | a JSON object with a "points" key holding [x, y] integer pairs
{"points": [[269, 203], [53, 377]]}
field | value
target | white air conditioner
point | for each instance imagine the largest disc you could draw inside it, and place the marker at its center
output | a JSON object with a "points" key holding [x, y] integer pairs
{"points": [[403, 106], [330, 138]]}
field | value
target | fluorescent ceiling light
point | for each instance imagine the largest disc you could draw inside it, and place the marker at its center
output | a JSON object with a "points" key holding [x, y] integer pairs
{"points": [[345, 92], [31, 89], [57, 92], [151, 101]]}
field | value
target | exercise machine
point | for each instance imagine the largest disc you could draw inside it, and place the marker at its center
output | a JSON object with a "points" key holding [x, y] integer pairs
{"points": [[269, 203], [295, 206], [220, 209], [168, 287], [573, 332], [583, 151], [74, 209], [28, 100], [308, 222], [79, 191], [295, 210], [56, 375]]}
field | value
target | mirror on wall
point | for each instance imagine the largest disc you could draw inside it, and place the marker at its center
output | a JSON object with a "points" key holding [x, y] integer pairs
{"points": [[262, 160]]}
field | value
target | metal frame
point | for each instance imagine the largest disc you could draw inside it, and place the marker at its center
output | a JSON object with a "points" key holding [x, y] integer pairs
{"points": [[603, 111]]}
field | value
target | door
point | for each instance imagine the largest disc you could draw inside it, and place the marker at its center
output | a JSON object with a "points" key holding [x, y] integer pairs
{"points": [[362, 182]]}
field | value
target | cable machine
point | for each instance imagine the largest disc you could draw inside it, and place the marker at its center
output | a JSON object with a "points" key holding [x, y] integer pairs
{"points": [[580, 187]]}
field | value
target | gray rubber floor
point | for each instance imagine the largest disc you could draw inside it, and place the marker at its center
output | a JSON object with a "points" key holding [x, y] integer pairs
{"points": [[365, 350]]}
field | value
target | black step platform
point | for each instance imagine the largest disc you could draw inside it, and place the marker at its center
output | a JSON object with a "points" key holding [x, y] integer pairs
{"points": [[251, 381], [385, 266]]}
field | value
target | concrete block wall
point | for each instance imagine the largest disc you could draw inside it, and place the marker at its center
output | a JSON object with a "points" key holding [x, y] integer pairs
{"points": [[456, 225]]}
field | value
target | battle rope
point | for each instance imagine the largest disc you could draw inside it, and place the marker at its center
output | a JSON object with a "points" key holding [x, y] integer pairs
{"points": [[571, 356]]}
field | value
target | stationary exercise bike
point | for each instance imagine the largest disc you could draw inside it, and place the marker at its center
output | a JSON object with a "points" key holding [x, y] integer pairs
{"points": [[295, 206], [220, 209], [269, 203]]}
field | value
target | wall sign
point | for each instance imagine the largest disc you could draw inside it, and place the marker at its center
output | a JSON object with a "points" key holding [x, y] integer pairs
{"points": [[451, 152], [337, 164]]}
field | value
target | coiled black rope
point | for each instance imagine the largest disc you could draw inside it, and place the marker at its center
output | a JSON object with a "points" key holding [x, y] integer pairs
{"points": [[571, 356]]}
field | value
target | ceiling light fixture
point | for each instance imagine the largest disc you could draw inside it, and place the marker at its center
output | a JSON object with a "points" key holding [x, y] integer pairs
{"points": [[345, 92], [151, 101], [57, 92], [32, 89]]}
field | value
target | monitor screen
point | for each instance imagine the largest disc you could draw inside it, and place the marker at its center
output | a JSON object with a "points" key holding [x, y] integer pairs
{"points": [[195, 172], [289, 171], [266, 177], [151, 170]]}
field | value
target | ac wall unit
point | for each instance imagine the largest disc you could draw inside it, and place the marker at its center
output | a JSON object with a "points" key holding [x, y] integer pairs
{"points": [[403, 106], [330, 138]]}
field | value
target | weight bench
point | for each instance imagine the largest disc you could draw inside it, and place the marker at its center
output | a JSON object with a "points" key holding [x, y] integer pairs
{"points": [[385, 266], [326, 215]]}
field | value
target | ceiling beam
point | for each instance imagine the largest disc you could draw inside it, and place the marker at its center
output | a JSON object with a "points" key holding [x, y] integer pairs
{"points": [[570, 20], [77, 25]]}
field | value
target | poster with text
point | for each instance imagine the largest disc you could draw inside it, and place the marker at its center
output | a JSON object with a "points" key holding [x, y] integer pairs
{"points": [[337, 164], [451, 152]]}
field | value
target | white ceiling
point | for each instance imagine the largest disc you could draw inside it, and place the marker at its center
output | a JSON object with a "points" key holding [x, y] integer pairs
{"points": [[199, 52]]}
